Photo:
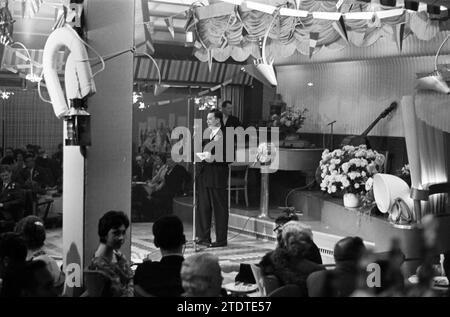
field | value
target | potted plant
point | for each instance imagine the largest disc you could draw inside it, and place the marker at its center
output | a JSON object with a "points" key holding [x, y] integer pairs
{"points": [[289, 122], [349, 171]]}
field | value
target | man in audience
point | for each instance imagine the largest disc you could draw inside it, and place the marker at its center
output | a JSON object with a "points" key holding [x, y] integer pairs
{"points": [[11, 196], [201, 276], [35, 177], [340, 282], [163, 278], [37, 281], [13, 253], [142, 171], [8, 159]]}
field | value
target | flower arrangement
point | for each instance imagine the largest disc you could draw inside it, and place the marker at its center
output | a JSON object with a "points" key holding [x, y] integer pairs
{"points": [[350, 169], [290, 121]]}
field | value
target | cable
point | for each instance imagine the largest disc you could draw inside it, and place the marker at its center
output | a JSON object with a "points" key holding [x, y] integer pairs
{"points": [[156, 65], [297, 189], [39, 92], [438, 51], [242, 229]]}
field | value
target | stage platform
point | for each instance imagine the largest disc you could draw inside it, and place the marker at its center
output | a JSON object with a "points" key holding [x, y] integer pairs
{"points": [[330, 221]]}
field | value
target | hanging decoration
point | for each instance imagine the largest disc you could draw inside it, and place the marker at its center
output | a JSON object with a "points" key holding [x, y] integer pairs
{"points": [[338, 23], [313, 37], [6, 23], [399, 31], [169, 23]]}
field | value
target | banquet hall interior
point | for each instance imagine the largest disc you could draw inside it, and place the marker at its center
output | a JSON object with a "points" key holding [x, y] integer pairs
{"points": [[340, 163]]}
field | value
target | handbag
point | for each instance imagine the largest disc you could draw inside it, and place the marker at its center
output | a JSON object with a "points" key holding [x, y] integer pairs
{"points": [[400, 213]]}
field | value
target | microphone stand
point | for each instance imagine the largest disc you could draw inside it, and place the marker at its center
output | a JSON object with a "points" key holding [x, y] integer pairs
{"points": [[194, 190]]}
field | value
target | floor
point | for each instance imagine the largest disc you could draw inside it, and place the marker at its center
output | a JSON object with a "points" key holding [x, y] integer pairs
{"points": [[241, 248]]}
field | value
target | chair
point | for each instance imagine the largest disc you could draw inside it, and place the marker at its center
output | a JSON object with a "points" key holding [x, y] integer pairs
{"points": [[266, 284], [95, 282], [238, 180], [46, 204]]}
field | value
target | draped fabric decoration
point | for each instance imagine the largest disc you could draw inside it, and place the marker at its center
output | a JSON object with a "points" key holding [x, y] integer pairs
{"points": [[291, 34], [236, 95], [427, 154]]}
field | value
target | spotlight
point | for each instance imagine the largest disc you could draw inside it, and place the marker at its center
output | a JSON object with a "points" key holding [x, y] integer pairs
{"points": [[433, 9]]}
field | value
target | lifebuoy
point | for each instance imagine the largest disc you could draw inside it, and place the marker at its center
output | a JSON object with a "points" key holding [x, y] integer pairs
{"points": [[79, 82]]}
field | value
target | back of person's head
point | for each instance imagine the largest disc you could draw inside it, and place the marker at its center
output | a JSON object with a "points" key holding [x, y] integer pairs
{"points": [[169, 233], [349, 249], [111, 220], [37, 281], [32, 230], [296, 238], [13, 250], [201, 276]]}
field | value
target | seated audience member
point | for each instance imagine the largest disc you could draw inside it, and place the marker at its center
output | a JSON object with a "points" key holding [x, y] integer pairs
{"points": [[32, 230], [340, 282], [142, 171], [161, 193], [11, 196], [163, 278], [201, 276], [112, 228], [18, 166], [387, 279], [35, 178], [159, 160], [8, 159], [13, 253], [288, 262], [37, 281]]}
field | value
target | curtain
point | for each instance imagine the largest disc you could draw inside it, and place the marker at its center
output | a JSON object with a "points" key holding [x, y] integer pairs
{"points": [[236, 95], [426, 145], [28, 120]]}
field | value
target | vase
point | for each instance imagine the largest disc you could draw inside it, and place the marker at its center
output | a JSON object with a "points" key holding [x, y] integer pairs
{"points": [[351, 200]]}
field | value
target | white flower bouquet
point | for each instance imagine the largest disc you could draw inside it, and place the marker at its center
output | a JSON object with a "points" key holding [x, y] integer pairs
{"points": [[290, 121], [350, 169]]}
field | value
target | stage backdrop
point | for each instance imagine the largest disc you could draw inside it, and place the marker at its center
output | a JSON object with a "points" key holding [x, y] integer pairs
{"points": [[353, 93]]}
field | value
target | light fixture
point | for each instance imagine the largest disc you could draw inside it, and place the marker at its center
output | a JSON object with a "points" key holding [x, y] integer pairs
{"points": [[158, 89], [310, 84], [434, 80], [189, 37], [6, 94]]}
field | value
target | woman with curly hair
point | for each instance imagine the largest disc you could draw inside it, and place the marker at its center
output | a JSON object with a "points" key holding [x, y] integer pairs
{"points": [[112, 229]]}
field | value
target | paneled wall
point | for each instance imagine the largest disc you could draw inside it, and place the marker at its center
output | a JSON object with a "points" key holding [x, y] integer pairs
{"points": [[353, 93], [29, 120]]}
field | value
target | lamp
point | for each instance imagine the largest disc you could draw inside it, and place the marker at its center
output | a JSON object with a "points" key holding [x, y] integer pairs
{"points": [[434, 80]]}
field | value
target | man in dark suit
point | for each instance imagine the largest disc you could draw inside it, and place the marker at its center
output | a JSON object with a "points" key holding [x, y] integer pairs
{"points": [[342, 281], [11, 196], [163, 278], [228, 119], [35, 177], [212, 185], [142, 171]]}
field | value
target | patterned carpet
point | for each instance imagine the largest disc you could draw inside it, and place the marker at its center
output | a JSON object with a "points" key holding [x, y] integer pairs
{"points": [[241, 248]]}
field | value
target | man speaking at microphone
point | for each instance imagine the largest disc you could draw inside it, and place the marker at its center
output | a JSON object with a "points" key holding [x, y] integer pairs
{"points": [[212, 184]]}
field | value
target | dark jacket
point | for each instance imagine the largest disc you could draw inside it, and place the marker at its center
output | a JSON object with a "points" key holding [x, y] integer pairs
{"points": [[214, 174], [40, 176], [232, 121], [142, 174], [340, 282], [162, 278], [12, 199]]}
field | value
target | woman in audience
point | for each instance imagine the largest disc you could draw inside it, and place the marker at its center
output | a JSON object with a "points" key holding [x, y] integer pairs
{"points": [[32, 230], [289, 263], [201, 276], [112, 229]]}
